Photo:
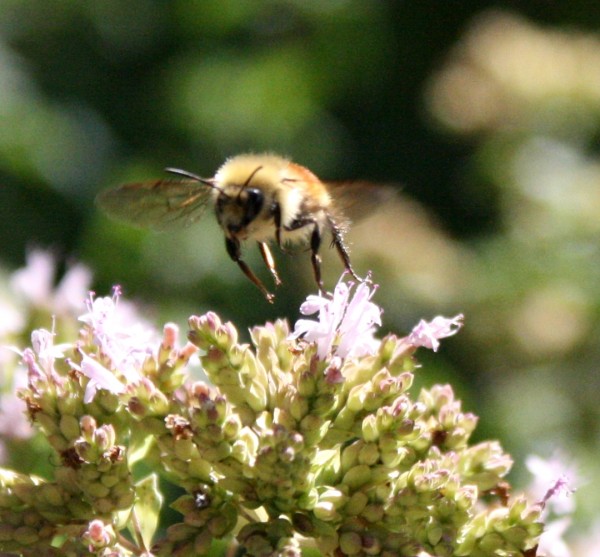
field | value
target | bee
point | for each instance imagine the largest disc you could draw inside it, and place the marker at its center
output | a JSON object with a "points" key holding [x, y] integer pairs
{"points": [[264, 198]]}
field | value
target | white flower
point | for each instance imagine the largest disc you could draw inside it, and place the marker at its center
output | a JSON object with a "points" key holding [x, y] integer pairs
{"points": [[42, 342], [551, 541], [587, 544], [428, 333], [35, 283], [553, 482], [119, 333], [99, 536], [35, 280], [346, 325], [13, 420], [99, 378]]}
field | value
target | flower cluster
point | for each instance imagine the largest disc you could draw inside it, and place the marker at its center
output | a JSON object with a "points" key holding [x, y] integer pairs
{"points": [[28, 298], [303, 438]]}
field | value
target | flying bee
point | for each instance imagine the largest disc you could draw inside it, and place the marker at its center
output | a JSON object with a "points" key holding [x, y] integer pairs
{"points": [[255, 197]]}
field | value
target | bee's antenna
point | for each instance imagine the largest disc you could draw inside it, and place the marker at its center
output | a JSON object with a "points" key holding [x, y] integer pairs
{"points": [[191, 175], [247, 182]]}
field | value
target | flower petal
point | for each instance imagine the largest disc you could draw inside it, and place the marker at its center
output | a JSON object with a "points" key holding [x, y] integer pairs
{"points": [[428, 333]]}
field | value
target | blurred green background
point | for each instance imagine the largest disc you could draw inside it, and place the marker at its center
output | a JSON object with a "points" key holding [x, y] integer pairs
{"points": [[484, 115]]}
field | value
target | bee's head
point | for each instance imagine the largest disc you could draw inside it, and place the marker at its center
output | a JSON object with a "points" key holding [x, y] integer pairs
{"points": [[238, 205], [236, 212]]}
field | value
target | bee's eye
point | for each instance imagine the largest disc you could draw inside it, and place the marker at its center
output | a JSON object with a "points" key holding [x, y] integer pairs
{"points": [[254, 203]]}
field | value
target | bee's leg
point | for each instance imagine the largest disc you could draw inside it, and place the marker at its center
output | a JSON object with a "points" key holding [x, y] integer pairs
{"points": [[276, 209], [269, 261], [277, 221], [233, 249], [315, 244], [340, 246]]}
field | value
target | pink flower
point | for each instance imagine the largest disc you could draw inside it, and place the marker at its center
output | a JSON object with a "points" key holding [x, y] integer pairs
{"points": [[119, 332], [428, 333], [39, 359], [552, 543], [72, 289], [42, 342], [553, 481], [99, 378], [35, 282], [346, 325], [13, 420], [587, 544], [98, 536]]}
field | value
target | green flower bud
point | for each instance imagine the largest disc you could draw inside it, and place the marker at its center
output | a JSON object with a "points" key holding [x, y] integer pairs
{"points": [[356, 503], [313, 429], [350, 543], [308, 499], [110, 480], [48, 423], [466, 497], [103, 505], [370, 428], [86, 451], [326, 511], [373, 513], [184, 448], [58, 442], [334, 496], [356, 398], [434, 534], [393, 458], [108, 402], [232, 427], [200, 469], [97, 490], [25, 535], [371, 545], [87, 425], [105, 437], [491, 543], [51, 494], [349, 457], [369, 454], [69, 405], [69, 427], [357, 476], [307, 383], [218, 452]]}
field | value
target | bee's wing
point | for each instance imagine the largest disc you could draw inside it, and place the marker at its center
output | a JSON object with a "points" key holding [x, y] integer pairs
{"points": [[355, 201], [161, 205]]}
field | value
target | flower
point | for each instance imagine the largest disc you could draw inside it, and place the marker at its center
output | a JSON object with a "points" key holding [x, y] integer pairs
{"points": [[98, 535], [13, 421], [587, 544], [35, 282], [428, 333], [552, 543], [283, 451], [43, 345], [553, 481], [99, 378], [117, 330], [346, 325]]}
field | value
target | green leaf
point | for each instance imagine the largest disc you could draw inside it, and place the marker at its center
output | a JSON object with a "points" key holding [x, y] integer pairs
{"points": [[147, 507], [139, 448]]}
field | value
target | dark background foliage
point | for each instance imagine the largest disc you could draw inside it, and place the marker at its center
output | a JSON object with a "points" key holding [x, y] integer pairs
{"points": [[484, 115]]}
